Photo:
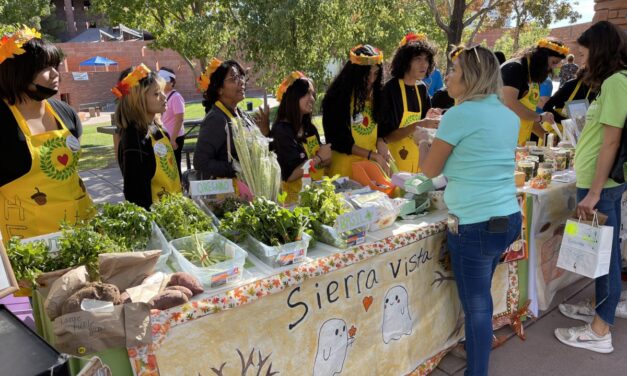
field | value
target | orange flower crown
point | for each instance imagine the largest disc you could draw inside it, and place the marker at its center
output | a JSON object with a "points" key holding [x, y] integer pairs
{"points": [[124, 86], [560, 49], [411, 37], [11, 45], [364, 59], [205, 78], [287, 82]]}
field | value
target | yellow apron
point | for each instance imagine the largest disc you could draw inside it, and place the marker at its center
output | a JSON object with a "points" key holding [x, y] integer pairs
{"points": [[571, 97], [51, 192], [405, 151], [364, 132], [166, 178], [292, 188], [530, 101]]}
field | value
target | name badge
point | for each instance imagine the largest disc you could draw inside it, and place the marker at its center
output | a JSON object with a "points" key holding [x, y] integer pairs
{"points": [[160, 149]]}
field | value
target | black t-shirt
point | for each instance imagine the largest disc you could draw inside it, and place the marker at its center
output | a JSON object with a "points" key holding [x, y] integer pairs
{"points": [[515, 74], [289, 148], [393, 104], [136, 158], [442, 100], [13, 145], [561, 96]]}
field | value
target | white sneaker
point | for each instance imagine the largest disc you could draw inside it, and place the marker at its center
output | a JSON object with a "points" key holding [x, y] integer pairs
{"points": [[621, 309], [583, 311], [585, 338]]}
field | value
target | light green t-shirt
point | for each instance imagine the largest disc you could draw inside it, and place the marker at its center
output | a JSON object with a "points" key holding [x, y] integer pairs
{"points": [[610, 108]]}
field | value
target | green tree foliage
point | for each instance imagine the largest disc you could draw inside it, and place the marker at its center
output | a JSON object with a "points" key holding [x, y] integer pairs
{"points": [[20, 12], [528, 37], [196, 29], [281, 36], [541, 12]]}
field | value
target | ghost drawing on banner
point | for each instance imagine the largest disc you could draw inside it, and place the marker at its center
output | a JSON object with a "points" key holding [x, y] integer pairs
{"points": [[333, 341], [396, 318]]}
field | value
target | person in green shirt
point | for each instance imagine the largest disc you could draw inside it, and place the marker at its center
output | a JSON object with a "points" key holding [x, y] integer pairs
{"points": [[604, 48]]}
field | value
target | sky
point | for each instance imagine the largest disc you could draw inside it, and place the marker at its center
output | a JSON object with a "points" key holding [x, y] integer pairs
{"points": [[585, 8]]}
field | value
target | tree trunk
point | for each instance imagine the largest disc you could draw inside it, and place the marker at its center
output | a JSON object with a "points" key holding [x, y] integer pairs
{"points": [[456, 27]]}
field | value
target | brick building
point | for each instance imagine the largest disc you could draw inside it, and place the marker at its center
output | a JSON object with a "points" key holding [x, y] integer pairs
{"points": [[75, 14], [96, 88]]}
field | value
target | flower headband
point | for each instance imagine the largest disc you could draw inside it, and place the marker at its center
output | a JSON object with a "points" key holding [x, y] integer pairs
{"points": [[555, 47], [11, 45], [364, 59], [287, 82], [205, 77], [124, 86], [410, 37], [455, 54]]}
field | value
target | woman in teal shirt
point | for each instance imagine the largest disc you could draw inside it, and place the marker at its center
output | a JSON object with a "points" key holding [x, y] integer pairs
{"points": [[474, 148], [604, 48]]}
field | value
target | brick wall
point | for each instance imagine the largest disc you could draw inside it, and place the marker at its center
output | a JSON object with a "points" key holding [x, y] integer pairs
{"points": [[97, 88], [614, 11]]}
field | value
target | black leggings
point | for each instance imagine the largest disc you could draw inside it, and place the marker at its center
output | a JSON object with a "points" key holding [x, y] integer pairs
{"points": [[177, 153]]}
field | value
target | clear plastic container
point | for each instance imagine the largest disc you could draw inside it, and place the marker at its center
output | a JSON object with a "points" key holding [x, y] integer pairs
{"points": [[330, 236], [158, 241], [222, 273], [279, 256]]}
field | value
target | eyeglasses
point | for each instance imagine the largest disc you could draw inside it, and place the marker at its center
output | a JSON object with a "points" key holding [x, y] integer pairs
{"points": [[461, 49], [237, 78]]}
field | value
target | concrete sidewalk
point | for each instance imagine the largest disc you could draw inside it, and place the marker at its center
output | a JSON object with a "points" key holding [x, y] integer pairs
{"points": [[540, 355]]}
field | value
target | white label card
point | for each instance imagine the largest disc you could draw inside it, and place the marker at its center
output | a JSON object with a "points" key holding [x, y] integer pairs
{"points": [[210, 187]]}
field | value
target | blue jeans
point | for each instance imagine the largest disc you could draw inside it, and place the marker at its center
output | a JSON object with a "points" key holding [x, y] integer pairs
{"points": [[475, 253], [608, 287]]}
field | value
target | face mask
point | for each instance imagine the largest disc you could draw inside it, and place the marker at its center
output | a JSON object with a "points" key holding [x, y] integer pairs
{"points": [[41, 93]]}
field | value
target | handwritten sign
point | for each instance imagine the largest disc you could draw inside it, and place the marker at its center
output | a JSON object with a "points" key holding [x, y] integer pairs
{"points": [[355, 219], [51, 240], [210, 187]]}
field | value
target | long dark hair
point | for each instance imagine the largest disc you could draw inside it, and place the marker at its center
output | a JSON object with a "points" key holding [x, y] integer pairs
{"points": [[607, 52], [404, 55], [17, 73], [289, 108], [217, 81], [353, 81], [539, 61]]}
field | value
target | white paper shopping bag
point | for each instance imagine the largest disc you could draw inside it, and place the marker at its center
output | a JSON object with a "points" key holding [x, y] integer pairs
{"points": [[586, 249]]}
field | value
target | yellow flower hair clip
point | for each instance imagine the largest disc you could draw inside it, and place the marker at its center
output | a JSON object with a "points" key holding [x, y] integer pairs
{"points": [[132, 79], [364, 59], [411, 37], [11, 45], [287, 82], [560, 49], [205, 78]]}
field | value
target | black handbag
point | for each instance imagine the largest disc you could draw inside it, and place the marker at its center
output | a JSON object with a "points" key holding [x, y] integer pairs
{"points": [[617, 173]]}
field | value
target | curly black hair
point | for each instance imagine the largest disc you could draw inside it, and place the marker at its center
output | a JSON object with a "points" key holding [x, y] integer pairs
{"points": [[353, 82], [403, 56], [217, 81]]}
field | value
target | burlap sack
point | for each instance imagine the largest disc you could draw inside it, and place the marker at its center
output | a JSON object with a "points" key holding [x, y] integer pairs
{"points": [[127, 269], [84, 332], [63, 288]]}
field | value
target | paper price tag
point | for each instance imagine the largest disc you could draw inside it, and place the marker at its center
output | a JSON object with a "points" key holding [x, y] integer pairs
{"points": [[355, 219], [51, 240], [210, 187], [225, 277], [292, 257]]}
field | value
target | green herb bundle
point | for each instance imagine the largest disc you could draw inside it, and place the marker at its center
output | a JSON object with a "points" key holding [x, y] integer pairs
{"points": [[127, 224], [324, 203], [180, 217], [29, 260], [229, 204], [266, 221], [81, 245], [260, 169], [203, 253]]}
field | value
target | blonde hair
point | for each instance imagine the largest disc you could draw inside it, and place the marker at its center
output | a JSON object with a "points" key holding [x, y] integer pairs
{"points": [[131, 108], [481, 72]]}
